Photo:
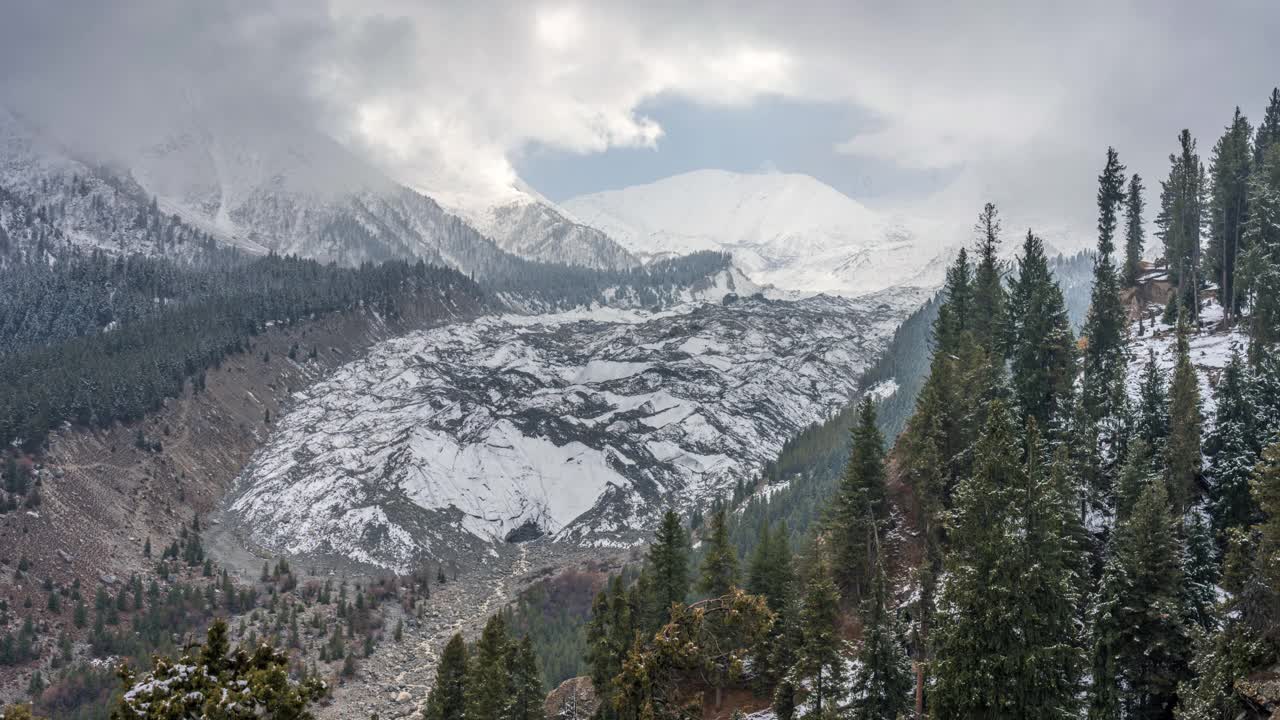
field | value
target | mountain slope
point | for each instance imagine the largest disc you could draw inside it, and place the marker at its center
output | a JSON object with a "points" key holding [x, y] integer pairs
{"points": [[787, 230], [586, 427], [264, 188]]}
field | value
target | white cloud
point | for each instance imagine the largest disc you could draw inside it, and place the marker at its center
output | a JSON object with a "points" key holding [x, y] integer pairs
{"points": [[1023, 96]]}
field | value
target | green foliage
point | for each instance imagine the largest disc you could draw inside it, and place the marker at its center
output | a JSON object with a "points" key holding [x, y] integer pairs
{"points": [[1227, 208], [668, 561], [1181, 218], [860, 508], [1134, 230], [1042, 346], [720, 564], [65, 369], [218, 682], [1183, 454], [1004, 644], [1141, 640], [1104, 362], [882, 680], [448, 697]]}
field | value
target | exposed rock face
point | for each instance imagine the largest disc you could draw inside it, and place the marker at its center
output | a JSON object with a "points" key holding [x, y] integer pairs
{"points": [[589, 425], [575, 699]]}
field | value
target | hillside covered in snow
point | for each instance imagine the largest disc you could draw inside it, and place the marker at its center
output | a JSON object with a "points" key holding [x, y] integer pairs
{"points": [[787, 230], [587, 425]]}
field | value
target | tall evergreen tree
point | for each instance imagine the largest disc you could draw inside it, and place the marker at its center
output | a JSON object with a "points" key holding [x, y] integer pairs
{"points": [[955, 315], [526, 698], [1042, 346], [1260, 268], [1183, 453], [1104, 362], [1200, 571], [1005, 645], [819, 672], [610, 634], [1152, 411], [669, 560], [882, 680], [860, 508], [720, 565], [988, 322], [976, 641], [1180, 221], [1233, 447], [1268, 135], [1229, 170], [488, 679], [770, 573], [1134, 230], [448, 697], [1141, 641]]}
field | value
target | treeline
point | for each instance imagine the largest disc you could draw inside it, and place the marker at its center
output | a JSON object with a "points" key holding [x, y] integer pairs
{"points": [[1068, 548], [113, 361]]}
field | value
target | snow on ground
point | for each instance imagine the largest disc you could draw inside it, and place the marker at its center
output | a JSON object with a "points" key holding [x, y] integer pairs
{"points": [[1210, 344], [588, 424]]}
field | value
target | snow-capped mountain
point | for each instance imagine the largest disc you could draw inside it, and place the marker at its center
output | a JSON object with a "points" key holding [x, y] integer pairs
{"points": [[525, 223], [263, 187], [787, 230], [587, 424]]}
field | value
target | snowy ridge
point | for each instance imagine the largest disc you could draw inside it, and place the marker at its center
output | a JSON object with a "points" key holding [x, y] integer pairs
{"points": [[589, 426], [787, 230], [291, 190]]}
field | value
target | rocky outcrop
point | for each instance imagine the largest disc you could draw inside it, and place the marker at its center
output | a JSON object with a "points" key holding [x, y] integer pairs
{"points": [[574, 699]]}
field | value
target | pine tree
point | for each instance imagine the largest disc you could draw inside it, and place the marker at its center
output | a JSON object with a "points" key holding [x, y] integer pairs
{"points": [[882, 680], [1042, 348], [720, 565], [988, 305], [527, 698], [1268, 135], [1229, 170], [488, 682], [860, 508], [1233, 447], [1183, 455], [1141, 641], [610, 634], [1104, 361], [448, 697], [1265, 487], [1134, 231], [1005, 643], [1152, 411], [1200, 571], [669, 560], [819, 671], [770, 573], [977, 638], [1260, 267], [954, 316], [1181, 217]]}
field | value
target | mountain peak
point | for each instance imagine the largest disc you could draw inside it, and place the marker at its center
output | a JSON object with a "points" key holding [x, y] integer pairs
{"points": [[786, 229]]}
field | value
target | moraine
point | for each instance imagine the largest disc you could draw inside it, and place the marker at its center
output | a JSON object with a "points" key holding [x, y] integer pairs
{"points": [[437, 445]]}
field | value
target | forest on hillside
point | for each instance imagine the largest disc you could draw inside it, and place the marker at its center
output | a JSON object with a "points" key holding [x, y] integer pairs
{"points": [[1044, 538]]}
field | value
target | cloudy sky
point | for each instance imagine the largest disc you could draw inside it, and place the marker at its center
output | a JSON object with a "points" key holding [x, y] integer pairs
{"points": [[928, 107]]}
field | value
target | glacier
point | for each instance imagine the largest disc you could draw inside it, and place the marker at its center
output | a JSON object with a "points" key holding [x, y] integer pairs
{"points": [[586, 424]]}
